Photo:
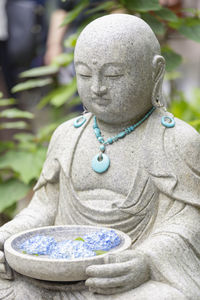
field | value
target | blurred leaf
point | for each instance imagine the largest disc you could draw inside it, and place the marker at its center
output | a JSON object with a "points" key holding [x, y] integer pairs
{"points": [[108, 5], [68, 91], [45, 132], [13, 125], [70, 42], [173, 59], [74, 101], [176, 24], [142, 5], [195, 123], [172, 75], [73, 14], [1, 94], [10, 211], [191, 29], [28, 165], [24, 137], [11, 191], [30, 84], [158, 27], [40, 71], [100, 252], [5, 145], [5, 102], [16, 113], [46, 99], [79, 239], [167, 14], [63, 60]]}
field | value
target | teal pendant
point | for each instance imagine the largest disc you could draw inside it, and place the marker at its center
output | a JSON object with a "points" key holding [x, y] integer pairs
{"points": [[100, 165], [79, 121]]}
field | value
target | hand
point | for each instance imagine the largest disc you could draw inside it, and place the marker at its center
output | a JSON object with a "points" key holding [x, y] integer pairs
{"points": [[5, 270], [121, 272]]}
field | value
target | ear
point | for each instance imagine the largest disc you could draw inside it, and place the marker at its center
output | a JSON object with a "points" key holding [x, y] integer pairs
{"points": [[157, 76]]}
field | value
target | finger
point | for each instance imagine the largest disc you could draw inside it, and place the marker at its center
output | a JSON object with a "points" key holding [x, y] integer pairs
{"points": [[110, 270], [111, 282], [6, 272], [2, 268], [3, 237], [2, 257], [120, 257], [110, 291], [6, 276]]}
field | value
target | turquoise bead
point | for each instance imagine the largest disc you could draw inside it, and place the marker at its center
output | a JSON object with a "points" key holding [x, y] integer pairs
{"points": [[109, 141], [102, 148], [97, 132], [100, 139], [121, 134]]}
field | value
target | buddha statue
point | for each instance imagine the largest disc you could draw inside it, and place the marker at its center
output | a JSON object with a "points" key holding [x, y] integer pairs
{"points": [[126, 164]]}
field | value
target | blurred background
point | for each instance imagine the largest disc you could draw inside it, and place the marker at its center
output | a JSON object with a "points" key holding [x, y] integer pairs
{"points": [[37, 77]]}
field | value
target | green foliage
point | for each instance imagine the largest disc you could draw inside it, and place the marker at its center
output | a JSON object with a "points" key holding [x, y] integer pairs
{"points": [[11, 191], [158, 27], [72, 15], [16, 113], [14, 125], [166, 14], [141, 5], [6, 102], [40, 71], [65, 93], [25, 164], [173, 60], [188, 111], [30, 84]]}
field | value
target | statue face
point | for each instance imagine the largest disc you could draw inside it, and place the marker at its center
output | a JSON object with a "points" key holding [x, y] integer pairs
{"points": [[114, 75]]}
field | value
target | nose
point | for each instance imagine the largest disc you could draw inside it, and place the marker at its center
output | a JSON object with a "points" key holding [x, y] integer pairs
{"points": [[98, 88]]}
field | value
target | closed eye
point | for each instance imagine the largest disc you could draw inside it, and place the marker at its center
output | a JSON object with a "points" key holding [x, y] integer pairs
{"points": [[114, 75], [85, 75]]}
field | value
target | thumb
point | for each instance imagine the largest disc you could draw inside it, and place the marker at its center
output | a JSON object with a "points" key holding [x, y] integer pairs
{"points": [[3, 237]]}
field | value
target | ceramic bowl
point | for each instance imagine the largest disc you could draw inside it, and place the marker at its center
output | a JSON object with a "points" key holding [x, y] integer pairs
{"points": [[44, 268]]}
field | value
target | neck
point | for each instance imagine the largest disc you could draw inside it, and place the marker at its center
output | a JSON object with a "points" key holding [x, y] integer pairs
{"points": [[117, 127]]}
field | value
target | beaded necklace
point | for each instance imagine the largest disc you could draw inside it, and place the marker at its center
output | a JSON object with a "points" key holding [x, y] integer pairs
{"points": [[101, 162]]}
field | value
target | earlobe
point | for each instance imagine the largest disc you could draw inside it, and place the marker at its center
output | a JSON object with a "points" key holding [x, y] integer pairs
{"points": [[157, 76]]}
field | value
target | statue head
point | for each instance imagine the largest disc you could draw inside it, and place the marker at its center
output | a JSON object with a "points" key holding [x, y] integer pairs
{"points": [[119, 68]]}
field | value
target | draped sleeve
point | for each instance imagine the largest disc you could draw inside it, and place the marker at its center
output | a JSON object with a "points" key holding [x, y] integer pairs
{"points": [[172, 160]]}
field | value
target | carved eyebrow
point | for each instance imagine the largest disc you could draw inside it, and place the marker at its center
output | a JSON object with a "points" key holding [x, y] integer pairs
{"points": [[113, 64]]}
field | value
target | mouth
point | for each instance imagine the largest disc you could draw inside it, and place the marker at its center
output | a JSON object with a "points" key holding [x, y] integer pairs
{"points": [[101, 101]]}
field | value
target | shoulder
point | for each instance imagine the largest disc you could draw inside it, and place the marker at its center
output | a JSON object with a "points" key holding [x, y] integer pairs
{"points": [[187, 141], [64, 132]]}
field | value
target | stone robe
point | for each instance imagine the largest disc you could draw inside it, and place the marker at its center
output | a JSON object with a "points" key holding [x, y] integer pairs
{"points": [[161, 213]]}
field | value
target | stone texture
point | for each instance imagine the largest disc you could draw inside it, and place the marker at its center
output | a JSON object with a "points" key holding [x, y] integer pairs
{"points": [[150, 191]]}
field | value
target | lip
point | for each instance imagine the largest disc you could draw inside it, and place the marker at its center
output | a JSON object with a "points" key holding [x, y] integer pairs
{"points": [[101, 101]]}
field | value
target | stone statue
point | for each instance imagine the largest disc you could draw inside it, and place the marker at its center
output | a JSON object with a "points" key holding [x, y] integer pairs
{"points": [[133, 168]]}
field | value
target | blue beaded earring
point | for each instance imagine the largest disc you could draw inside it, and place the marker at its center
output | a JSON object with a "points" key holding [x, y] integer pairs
{"points": [[79, 121], [167, 121]]}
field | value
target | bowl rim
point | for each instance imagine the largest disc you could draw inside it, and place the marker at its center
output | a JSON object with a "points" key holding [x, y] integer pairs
{"points": [[9, 249]]}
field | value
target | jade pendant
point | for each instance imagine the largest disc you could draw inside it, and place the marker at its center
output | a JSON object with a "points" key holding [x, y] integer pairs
{"points": [[100, 164]]}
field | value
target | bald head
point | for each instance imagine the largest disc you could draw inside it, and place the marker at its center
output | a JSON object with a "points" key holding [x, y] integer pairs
{"points": [[119, 33]]}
